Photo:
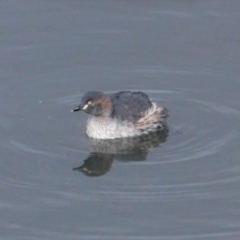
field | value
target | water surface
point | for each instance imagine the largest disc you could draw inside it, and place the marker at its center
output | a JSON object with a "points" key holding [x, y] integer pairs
{"points": [[182, 185]]}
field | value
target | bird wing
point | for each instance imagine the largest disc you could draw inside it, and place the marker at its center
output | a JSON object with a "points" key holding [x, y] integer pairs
{"points": [[129, 105]]}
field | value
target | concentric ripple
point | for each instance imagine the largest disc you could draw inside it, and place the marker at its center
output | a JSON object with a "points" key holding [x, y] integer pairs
{"points": [[198, 128], [188, 178], [202, 132]]}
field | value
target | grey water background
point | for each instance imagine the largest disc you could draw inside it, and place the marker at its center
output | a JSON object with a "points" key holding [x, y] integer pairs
{"points": [[184, 55]]}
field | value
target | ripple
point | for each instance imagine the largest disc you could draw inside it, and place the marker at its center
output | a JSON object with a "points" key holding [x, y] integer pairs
{"points": [[198, 130], [194, 148], [193, 132], [198, 133], [207, 128], [218, 108], [171, 192], [25, 148]]}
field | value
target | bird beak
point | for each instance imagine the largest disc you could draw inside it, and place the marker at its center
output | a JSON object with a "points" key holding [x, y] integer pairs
{"points": [[76, 109], [79, 108]]}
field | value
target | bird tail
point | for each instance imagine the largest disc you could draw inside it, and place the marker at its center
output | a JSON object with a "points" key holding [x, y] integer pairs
{"points": [[153, 120]]}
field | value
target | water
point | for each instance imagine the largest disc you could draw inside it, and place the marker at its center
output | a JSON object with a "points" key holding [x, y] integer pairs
{"points": [[183, 185]]}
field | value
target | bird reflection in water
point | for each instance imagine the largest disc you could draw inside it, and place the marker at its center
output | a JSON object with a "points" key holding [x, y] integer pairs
{"points": [[103, 152]]}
